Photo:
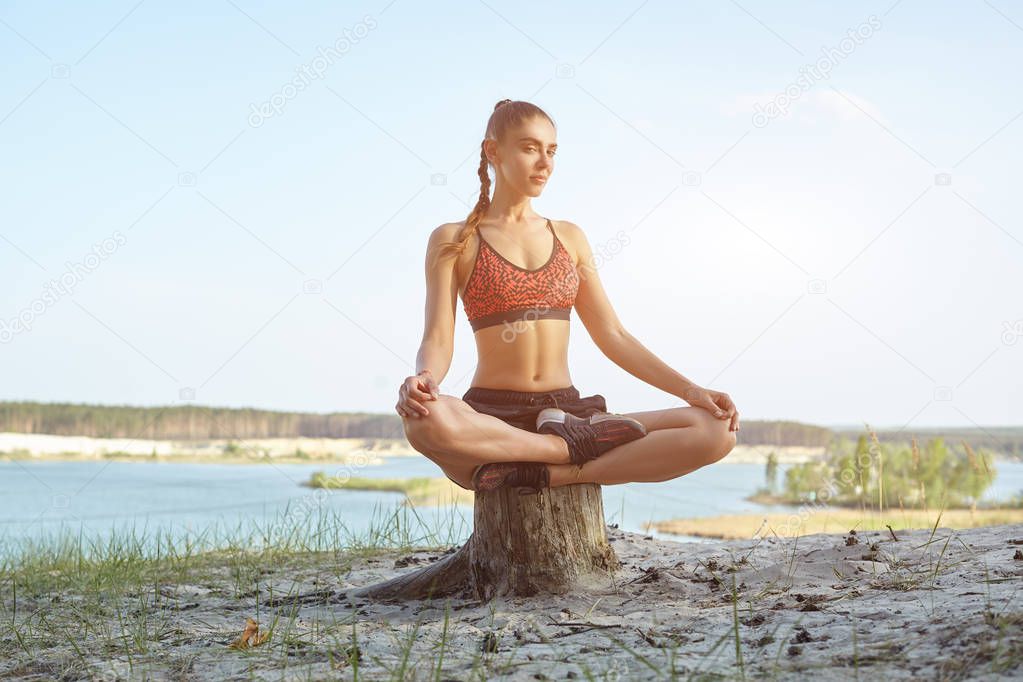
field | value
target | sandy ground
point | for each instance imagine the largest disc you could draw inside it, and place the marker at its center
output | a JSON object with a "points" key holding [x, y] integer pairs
{"points": [[825, 519], [365, 450], [837, 606], [32, 445]]}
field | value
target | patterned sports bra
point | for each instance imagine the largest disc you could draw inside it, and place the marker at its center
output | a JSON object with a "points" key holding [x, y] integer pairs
{"points": [[498, 291]]}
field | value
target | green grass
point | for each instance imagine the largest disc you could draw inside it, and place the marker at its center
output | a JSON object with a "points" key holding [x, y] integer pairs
{"points": [[130, 556], [67, 601]]}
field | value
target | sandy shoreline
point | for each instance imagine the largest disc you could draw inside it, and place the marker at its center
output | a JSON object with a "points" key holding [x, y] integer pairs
{"points": [[801, 521], [831, 605], [360, 451], [28, 446]]}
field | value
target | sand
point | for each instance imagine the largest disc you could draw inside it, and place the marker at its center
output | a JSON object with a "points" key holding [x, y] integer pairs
{"points": [[342, 450], [824, 519], [336, 450], [830, 605]]}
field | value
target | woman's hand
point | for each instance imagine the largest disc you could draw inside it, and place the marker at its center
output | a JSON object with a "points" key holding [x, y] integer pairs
{"points": [[717, 403], [415, 391]]}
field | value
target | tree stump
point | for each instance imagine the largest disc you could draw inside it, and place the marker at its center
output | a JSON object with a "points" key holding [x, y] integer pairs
{"points": [[521, 545]]}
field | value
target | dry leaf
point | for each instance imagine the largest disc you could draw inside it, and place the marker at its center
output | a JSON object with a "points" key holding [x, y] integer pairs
{"points": [[250, 636]]}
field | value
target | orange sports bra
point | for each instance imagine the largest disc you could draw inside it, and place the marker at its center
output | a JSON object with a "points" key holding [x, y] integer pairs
{"points": [[498, 291]]}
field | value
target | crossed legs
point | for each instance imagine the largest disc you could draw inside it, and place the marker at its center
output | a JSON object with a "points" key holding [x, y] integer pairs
{"points": [[679, 440], [458, 439]]}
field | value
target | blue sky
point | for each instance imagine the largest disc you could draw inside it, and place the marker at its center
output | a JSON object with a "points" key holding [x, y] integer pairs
{"points": [[857, 259]]}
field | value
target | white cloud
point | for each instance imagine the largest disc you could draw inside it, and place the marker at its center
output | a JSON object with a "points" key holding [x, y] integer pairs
{"points": [[819, 104], [742, 105], [828, 101]]}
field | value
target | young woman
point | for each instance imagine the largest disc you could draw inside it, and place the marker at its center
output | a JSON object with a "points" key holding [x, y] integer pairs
{"points": [[522, 422]]}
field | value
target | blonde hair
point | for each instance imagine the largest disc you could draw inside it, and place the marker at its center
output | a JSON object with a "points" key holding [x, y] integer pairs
{"points": [[506, 115]]}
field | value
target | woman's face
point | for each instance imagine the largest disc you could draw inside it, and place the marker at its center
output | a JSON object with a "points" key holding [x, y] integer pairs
{"points": [[527, 155]]}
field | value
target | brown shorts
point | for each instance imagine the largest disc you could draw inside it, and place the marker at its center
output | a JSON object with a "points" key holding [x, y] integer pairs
{"points": [[520, 408]]}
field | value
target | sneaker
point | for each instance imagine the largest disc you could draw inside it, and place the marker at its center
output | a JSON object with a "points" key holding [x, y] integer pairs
{"points": [[530, 477], [589, 438]]}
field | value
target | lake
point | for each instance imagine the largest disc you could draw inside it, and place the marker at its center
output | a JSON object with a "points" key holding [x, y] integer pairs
{"points": [[181, 500]]}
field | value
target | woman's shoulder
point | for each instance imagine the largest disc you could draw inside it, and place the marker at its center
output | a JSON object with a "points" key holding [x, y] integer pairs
{"points": [[442, 239], [445, 233], [566, 227], [568, 232], [571, 235]]}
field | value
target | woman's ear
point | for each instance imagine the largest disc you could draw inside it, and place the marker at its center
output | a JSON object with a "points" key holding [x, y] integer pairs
{"points": [[490, 149]]}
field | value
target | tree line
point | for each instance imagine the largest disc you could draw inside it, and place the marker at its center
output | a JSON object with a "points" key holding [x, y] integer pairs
{"points": [[872, 474], [190, 422]]}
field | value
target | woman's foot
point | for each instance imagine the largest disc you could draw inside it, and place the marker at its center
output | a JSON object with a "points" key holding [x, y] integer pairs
{"points": [[532, 476], [589, 438]]}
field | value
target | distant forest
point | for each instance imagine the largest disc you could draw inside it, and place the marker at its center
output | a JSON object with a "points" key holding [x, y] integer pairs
{"points": [[190, 422], [1005, 440], [198, 422]]}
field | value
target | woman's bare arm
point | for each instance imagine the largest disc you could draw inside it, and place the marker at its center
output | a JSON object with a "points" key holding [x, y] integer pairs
{"points": [[438, 345], [625, 350], [606, 330]]}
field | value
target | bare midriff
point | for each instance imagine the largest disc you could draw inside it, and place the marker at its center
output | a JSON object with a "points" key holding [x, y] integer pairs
{"points": [[523, 356]]}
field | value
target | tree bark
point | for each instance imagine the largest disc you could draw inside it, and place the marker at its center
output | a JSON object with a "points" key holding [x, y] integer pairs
{"points": [[521, 545]]}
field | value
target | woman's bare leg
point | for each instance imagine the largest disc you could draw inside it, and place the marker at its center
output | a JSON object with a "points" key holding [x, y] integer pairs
{"points": [[459, 439], [679, 440]]}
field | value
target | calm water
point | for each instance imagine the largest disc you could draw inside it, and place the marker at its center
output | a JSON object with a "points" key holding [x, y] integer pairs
{"points": [[39, 499]]}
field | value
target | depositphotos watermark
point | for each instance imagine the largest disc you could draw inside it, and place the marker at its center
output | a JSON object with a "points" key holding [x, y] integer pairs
{"points": [[307, 73], [809, 74], [341, 476], [1012, 332], [607, 250], [603, 253], [820, 498], [64, 286], [533, 313]]}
